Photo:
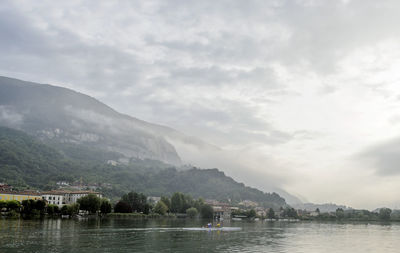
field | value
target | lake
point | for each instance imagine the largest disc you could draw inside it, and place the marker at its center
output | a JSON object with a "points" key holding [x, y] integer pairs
{"points": [[181, 235]]}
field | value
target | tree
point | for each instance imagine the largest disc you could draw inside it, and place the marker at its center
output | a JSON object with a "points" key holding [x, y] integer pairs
{"points": [[64, 210], [70, 210], [180, 202], [198, 203], [27, 206], [160, 208], [40, 205], [90, 203], [271, 214], [192, 212], [207, 212], [166, 201], [290, 213], [52, 209], [3, 204], [252, 213], [137, 201], [105, 206], [122, 207], [73, 209], [187, 202], [146, 208], [177, 202], [13, 205], [339, 213], [384, 214], [33, 207]]}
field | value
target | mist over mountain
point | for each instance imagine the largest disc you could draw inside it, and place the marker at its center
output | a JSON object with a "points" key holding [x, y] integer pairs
{"points": [[324, 208], [61, 115], [74, 122]]}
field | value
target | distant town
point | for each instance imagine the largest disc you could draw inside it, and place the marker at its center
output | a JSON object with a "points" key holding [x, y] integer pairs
{"points": [[179, 205]]}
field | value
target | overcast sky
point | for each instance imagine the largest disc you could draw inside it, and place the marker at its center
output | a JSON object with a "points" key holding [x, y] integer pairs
{"points": [[309, 90]]}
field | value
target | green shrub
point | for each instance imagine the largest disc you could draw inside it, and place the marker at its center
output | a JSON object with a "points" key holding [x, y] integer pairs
{"points": [[161, 208], [53, 209], [13, 205], [207, 212], [192, 212]]}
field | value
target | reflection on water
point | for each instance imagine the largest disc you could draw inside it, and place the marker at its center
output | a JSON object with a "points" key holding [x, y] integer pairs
{"points": [[179, 235]]}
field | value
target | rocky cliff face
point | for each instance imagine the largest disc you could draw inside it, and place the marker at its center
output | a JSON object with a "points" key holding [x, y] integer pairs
{"points": [[62, 115]]}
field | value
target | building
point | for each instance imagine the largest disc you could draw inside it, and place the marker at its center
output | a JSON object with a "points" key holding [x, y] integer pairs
{"points": [[54, 198], [153, 199], [71, 197], [248, 204], [221, 210], [19, 196], [62, 183], [61, 198], [261, 211], [5, 187]]}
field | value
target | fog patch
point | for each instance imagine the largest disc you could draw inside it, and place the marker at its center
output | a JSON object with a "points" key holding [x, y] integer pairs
{"points": [[244, 165], [9, 117]]}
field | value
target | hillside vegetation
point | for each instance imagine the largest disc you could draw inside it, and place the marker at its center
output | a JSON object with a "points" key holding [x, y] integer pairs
{"points": [[26, 162]]}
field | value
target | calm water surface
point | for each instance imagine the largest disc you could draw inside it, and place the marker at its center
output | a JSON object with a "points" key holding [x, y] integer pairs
{"points": [[128, 235]]}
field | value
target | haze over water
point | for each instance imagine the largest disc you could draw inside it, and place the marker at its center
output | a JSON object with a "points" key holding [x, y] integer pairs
{"points": [[125, 235]]}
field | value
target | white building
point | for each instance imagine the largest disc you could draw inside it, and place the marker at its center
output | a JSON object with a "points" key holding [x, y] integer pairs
{"points": [[72, 196], [61, 198], [153, 199], [54, 198]]}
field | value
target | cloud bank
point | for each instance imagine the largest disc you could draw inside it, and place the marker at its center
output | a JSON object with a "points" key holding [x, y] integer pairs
{"points": [[295, 88]]}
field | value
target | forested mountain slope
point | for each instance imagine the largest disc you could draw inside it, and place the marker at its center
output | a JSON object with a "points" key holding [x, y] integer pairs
{"points": [[27, 162]]}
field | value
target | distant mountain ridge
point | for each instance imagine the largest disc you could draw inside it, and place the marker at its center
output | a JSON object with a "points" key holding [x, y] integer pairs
{"points": [[324, 208], [62, 115]]}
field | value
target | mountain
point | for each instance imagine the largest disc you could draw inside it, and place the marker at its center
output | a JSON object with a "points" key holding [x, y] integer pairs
{"points": [[290, 199], [27, 162], [82, 128], [60, 115], [324, 208]]}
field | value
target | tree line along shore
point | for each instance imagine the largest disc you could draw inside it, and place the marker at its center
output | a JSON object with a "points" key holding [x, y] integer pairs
{"points": [[134, 204], [131, 204]]}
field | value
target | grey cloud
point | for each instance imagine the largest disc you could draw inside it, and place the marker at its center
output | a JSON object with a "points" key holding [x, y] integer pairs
{"points": [[215, 76], [328, 89], [234, 121], [175, 63], [211, 35], [384, 157]]}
